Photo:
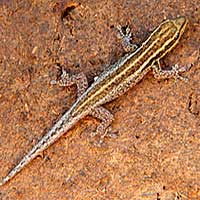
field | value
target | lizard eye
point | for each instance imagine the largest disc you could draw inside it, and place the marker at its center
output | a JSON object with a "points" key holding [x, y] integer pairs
{"points": [[176, 35]]}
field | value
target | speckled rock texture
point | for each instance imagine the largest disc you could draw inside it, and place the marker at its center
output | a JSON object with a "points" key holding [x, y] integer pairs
{"points": [[156, 152]]}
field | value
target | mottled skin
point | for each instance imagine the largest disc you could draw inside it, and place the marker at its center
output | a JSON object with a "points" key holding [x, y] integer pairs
{"points": [[113, 82]]}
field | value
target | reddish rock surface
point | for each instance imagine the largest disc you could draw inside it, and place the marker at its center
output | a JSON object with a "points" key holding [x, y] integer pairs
{"points": [[156, 154]]}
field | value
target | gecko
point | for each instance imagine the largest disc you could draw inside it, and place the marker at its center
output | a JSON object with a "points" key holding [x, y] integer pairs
{"points": [[113, 82]]}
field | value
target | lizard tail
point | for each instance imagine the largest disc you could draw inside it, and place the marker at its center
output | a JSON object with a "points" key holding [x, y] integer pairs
{"points": [[62, 126]]}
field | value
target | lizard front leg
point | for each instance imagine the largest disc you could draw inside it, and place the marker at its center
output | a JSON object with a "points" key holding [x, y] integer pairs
{"points": [[125, 35], [159, 73]]}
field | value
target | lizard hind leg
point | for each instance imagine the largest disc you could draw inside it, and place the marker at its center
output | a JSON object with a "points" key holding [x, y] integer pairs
{"points": [[67, 80], [106, 119]]}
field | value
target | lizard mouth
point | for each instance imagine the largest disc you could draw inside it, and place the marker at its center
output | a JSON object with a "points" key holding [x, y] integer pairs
{"points": [[180, 22]]}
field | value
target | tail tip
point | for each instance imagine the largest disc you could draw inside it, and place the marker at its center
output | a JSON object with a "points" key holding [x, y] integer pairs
{"points": [[2, 182]]}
